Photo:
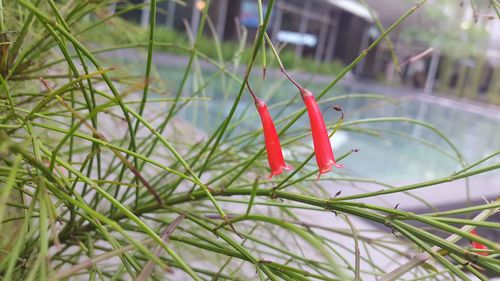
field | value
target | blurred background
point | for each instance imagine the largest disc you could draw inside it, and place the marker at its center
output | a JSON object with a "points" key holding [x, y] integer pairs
{"points": [[448, 47]]}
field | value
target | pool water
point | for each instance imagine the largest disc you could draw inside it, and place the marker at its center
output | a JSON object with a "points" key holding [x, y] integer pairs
{"points": [[394, 152]]}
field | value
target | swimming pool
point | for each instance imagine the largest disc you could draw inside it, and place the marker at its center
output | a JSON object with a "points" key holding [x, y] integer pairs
{"points": [[394, 150]]}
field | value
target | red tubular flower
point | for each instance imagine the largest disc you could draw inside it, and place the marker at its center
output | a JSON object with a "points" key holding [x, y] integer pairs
{"points": [[322, 146], [273, 146], [477, 245]]}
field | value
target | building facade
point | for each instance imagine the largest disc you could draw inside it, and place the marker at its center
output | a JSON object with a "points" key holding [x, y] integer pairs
{"points": [[324, 30], [328, 30]]}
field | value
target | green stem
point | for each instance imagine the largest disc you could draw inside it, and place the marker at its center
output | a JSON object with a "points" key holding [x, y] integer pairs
{"points": [[2, 27], [222, 128]]}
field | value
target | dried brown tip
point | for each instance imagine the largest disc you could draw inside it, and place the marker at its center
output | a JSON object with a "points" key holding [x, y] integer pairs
{"points": [[338, 108]]}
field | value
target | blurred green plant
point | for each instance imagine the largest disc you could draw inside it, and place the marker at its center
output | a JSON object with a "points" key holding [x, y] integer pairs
{"points": [[99, 175], [123, 32], [446, 27], [458, 30]]}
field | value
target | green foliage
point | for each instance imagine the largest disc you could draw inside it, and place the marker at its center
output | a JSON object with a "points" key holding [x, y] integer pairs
{"points": [[103, 177], [443, 26], [122, 32]]}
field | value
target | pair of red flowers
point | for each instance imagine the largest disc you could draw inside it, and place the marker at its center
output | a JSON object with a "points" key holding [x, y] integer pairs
{"points": [[322, 146]]}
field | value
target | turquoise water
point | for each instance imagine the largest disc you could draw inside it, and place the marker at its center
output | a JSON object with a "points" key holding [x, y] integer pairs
{"points": [[395, 151]]}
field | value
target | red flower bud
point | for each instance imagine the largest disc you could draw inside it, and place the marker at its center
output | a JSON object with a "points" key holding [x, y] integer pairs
{"points": [[273, 146], [322, 146], [477, 245]]}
